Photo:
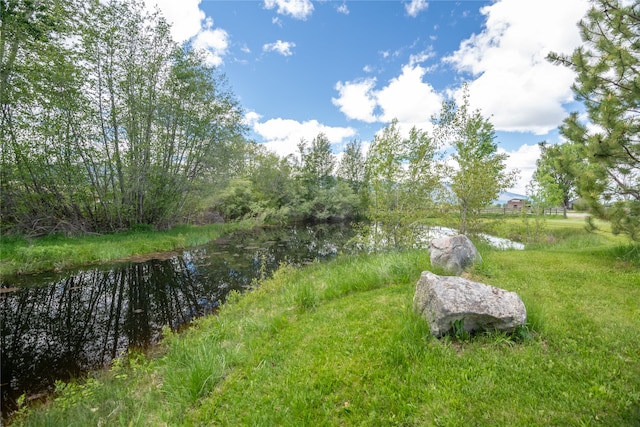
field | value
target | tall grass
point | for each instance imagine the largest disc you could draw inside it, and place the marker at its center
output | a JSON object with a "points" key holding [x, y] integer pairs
{"points": [[20, 255], [339, 344]]}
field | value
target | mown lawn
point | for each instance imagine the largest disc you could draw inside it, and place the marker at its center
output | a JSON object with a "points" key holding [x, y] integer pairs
{"points": [[339, 344]]}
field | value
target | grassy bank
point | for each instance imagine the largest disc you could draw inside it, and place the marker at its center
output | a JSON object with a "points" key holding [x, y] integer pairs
{"points": [[339, 344], [19, 255]]}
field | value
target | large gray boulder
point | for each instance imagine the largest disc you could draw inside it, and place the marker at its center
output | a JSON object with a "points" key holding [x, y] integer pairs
{"points": [[453, 253], [443, 300]]}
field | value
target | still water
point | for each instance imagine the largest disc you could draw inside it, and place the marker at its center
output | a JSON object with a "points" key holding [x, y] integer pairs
{"points": [[59, 326]]}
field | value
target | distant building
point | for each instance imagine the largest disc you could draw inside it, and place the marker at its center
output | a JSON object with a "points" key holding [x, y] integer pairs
{"points": [[516, 204]]}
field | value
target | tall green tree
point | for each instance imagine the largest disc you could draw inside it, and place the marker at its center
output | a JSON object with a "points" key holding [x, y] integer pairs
{"points": [[322, 195], [402, 179], [352, 165], [351, 171], [317, 161], [556, 169], [607, 67], [40, 100], [106, 121], [543, 192], [479, 174]]}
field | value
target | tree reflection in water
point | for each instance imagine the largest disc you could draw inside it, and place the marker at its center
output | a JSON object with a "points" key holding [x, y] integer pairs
{"points": [[59, 326]]}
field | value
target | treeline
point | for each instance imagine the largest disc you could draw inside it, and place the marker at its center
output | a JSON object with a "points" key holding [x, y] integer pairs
{"points": [[108, 124], [403, 178], [310, 185]]}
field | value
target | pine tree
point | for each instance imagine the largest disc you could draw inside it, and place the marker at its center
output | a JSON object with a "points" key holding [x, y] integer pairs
{"points": [[607, 68]]}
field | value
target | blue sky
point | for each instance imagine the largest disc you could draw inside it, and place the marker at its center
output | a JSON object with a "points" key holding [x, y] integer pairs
{"points": [[347, 68]]}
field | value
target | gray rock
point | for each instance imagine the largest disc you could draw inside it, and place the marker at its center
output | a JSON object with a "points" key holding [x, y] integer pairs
{"points": [[443, 300], [453, 253]]}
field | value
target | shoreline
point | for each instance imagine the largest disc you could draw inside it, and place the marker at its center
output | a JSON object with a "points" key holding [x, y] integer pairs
{"points": [[52, 253]]}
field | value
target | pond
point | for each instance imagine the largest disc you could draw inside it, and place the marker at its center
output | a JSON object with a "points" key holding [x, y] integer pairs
{"points": [[497, 242], [57, 326]]}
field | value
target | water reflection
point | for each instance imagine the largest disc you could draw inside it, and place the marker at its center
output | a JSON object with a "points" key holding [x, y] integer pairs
{"points": [[58, 326]]}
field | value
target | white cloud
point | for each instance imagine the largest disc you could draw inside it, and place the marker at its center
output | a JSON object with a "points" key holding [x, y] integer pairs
{"points": [[189, 22], [283, 48], [523, 159], [356, 99], [214, 42], [409, 99], [421, 57], [415, 7], [298, 9], [251, 118], [514, 83], [184, 16], [282, 136], [343, 8], [406, 98]]}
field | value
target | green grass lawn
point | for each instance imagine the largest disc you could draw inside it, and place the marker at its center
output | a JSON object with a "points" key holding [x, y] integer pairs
{"points": [[339, 344]]}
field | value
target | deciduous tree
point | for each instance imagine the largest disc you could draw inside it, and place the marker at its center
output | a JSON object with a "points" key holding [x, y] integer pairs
{"points": [[402, 180], [479, 173], [40, 100], [555, 173], [106, 121], [352, 165]]}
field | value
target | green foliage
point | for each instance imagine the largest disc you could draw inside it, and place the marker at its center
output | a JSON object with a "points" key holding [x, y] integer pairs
{"points": [[237, 199], [543, 192], [107, 123], [195, 369], [458, 331], [555, 174], [304, 297], [480, 171], [402, 178], [607, 66], [317, 163], [408, 182], [320, 194], [277, 190], [337, 201], [352, 166], [627, 253]]}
